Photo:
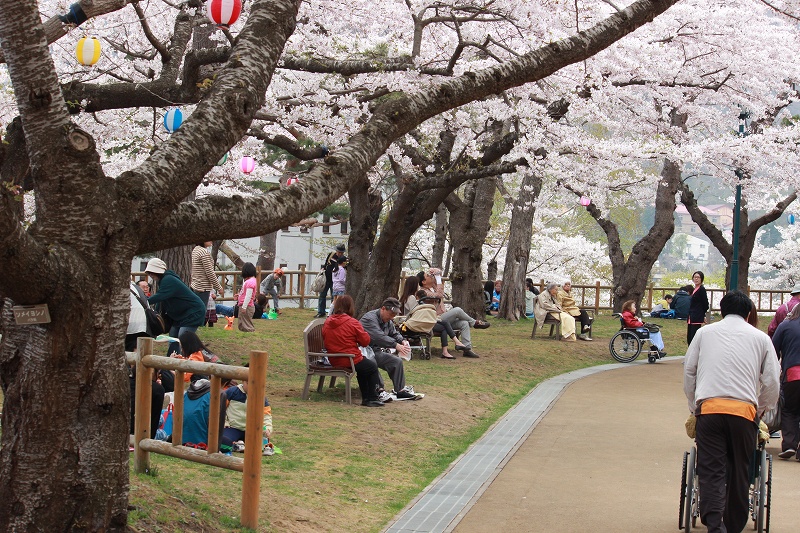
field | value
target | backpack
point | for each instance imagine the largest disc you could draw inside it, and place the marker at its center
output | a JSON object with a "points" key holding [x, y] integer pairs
{"points": [[319, 282], [422, 318]]}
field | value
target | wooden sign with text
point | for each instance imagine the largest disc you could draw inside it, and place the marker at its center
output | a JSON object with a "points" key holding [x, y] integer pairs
{"points": [[31, 314]]}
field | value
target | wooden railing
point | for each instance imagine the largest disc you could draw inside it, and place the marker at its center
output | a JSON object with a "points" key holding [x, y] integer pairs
{"points": [[597, 296], [144, 444]]}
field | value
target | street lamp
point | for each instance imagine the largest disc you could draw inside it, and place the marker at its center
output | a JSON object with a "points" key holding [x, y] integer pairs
{"points": [[734, 281]]}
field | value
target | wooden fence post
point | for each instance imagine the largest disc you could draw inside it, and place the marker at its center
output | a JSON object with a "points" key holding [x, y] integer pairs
{"points": [[143, 401], [213, 415], [597, 297], [177, 411], [251, 477], [301, 288]]}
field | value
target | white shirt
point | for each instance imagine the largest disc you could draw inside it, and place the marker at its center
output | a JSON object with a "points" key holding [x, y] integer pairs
{"points": [[731, 359]]}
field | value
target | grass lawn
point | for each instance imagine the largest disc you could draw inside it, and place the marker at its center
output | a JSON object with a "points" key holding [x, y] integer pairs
{"points": [[351, 468]]}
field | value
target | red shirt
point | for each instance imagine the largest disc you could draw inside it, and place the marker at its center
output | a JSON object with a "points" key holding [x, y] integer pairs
{"points": [[631, 320], [342, 333]]}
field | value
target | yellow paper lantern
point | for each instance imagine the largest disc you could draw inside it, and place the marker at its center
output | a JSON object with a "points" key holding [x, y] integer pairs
{"points": [[88, 51]]}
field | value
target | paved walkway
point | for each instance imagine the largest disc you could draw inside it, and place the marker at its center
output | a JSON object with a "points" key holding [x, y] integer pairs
{"points": [[596, 450]]}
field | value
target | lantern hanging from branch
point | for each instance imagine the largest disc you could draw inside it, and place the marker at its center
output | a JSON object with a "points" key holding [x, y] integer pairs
{"points": [[88, 51], [247, 164], [223, 13], [224, 159], [173, 119], [585, 201], [790, 219], [292, 180]]}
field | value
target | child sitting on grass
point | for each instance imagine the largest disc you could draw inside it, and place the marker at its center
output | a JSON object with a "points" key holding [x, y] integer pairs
{"points": [[236, 419]]}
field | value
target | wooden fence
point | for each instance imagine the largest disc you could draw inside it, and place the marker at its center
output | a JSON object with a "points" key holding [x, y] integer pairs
{"points": [[597, 296], [250, 465]]}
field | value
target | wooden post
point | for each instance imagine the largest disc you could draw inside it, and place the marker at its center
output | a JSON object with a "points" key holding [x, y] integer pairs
{"points": [[144, 397], [177, 411], [213, 415], [251, 479], [301, 286], [597, 297]]}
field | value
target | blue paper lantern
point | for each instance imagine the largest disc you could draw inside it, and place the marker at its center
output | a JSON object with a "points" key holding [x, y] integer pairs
{"points": [[790, 219], [173, 119]]}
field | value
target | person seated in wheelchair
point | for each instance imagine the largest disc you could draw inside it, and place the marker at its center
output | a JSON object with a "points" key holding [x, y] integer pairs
{"points": [[631, 321]]}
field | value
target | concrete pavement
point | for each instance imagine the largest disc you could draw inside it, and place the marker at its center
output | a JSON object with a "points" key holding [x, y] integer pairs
{"points": [[595, 450]]}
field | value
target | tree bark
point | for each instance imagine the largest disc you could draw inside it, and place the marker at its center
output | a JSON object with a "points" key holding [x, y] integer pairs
{"points": [[365, 211], [267, 245], [469, 225], [440, 237], [630, 276], [512, 298]]}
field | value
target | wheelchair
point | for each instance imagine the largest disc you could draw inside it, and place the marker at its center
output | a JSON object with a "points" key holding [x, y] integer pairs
{"points": [[418, 341], [626, 344], [760, 490]]}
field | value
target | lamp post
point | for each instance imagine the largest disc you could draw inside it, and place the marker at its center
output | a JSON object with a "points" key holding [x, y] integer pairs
{"points": [[734, 281]]}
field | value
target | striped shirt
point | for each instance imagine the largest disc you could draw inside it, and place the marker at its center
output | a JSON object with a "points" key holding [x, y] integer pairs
{"points": [[203, 277]]}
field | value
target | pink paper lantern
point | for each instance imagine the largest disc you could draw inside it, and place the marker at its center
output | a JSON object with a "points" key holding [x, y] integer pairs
{"points": [[247, 164], [223, 13], [585, 201]]}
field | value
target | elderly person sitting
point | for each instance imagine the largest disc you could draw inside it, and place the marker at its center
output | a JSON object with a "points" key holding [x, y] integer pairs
{"points": [[547, 302], [567, 303]]}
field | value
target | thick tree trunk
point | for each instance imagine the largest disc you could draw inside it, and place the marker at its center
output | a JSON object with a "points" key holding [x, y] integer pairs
{"points": [[365, 210], [440, 237], [512, 299], [469, 225], [491, 270], [630, 276], [266, 251], [64, 460], [179, 259]]}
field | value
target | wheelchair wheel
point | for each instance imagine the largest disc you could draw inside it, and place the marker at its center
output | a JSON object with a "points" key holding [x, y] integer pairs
{"points": [[682, 504], [691, 500], [625, 346], [761, 488]]}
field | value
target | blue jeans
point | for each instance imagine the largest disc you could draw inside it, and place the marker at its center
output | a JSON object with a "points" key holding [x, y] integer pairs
{"points": [[176, 331], [322, 304], [224, 310]]}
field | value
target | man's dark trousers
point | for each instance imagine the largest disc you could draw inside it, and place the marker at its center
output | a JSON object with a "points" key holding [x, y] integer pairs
{"points": [[725, 447]]}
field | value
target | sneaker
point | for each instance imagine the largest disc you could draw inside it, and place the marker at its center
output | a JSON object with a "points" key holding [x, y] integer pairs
{"points": [[587, 327], [405, 395], [384, 397], [268, 450], [320, 315], [238, 446], [409, 389], [662, 353], [583, 337], [787, 454], [372, 403], [480, 324]]}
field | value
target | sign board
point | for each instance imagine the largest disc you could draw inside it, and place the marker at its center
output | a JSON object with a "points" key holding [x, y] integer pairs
{"points": [[31, 314]]}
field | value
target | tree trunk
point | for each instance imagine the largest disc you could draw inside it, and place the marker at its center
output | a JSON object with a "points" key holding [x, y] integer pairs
{"points": [[267, 250], [512, 299], [67, 405], [365, 210], [747, 232], [491, 270], [469, 225], [630, 276], [440, 237], [179, 259], [237, 261]]}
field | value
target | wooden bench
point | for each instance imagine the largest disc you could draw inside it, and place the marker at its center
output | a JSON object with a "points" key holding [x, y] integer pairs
{"points": [[555, 325], [315, 362]]}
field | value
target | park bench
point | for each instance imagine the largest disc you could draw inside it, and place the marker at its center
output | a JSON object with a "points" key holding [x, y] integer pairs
{"points": [[555, 325], [317, 365]]}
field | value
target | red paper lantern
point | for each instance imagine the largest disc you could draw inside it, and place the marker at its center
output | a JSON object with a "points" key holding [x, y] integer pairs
{"points": [[223, 13], [292, 180]]}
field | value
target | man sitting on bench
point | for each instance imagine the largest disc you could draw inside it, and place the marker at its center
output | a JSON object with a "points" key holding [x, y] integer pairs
{"points": [[383, 339]]}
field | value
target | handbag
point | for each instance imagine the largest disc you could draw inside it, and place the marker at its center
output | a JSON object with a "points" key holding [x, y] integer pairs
{"points": [[157, 324], [319, 282]]}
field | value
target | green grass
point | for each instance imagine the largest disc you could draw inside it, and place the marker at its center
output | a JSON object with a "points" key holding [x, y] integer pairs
{"points": [[349, 468]]}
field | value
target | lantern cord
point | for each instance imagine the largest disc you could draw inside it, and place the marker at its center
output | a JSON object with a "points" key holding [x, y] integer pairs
{"points": [[75, 16]]}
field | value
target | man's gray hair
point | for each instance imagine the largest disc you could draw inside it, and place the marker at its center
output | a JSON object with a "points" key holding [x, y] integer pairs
{"points": [[551, 285]]}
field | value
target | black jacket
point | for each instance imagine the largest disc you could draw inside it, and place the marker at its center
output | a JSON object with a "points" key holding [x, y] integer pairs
{"points": [[680, 303], [698, 306]]}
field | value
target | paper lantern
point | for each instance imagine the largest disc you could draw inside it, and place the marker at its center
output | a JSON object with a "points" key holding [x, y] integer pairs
{"points": [[223, 160], [790, 219], [585, 201], [223, 13], [173, 119], [292, 180], [247, 164], [88, 51]]}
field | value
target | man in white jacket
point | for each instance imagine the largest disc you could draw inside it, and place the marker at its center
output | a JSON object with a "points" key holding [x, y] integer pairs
{"points": [[731, 376]]}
